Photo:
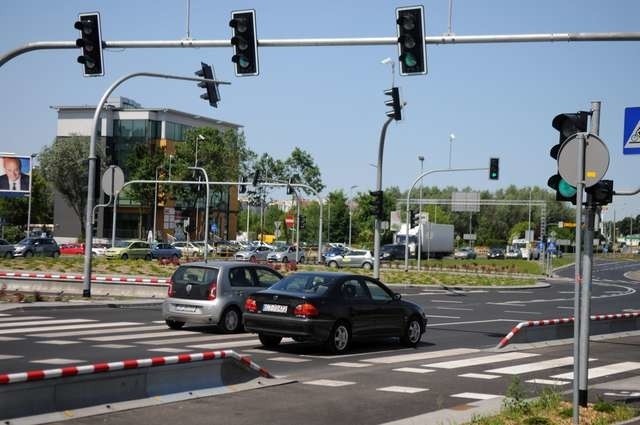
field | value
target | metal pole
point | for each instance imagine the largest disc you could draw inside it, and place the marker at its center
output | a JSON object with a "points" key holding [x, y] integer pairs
{"points": [[33, 156], [578, 279], [529, 230], [421, 159], [350, 210], [376, 237], [206, 212], [297, 224], [155, 205]]}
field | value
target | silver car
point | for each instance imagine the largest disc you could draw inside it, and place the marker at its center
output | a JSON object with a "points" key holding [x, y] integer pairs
{"points": [[351, 258], [6, 249], [253, 253], [284, 254], [214, 293]]}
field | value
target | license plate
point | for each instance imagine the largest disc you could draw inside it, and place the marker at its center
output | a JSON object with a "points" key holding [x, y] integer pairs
{"points": [[186, 308], [274, 308]]}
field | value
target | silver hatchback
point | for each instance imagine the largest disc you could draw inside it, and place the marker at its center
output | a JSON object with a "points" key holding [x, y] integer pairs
{"points": [[214, 293], [351, 258]]}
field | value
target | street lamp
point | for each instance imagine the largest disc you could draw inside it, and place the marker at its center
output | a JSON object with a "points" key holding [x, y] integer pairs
{"points": [[421, 159], [171, 157], [33, 157], [387, 61], [155, 202], [199, 138], [452, 137], [350, 210]]}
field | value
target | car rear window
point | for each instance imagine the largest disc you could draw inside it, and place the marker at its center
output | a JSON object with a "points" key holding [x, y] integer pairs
{"points": [[195, 275], [304, 284]]}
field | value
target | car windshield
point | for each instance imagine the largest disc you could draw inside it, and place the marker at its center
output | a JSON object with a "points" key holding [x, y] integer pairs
{"points": [[195, 275], [25, 241], [304, 284], [122, 244], [282, 249]]}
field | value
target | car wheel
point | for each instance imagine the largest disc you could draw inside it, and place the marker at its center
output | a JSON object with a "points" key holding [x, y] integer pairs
{"points": [[367, 266], [285, 259], [333, 264], [269, 341], [147, 257], [412, 333], [28, 254], [174, 324], [302, 260], [252, 259], [231, 320], [125, 256], [339, 338], [55, 254]]}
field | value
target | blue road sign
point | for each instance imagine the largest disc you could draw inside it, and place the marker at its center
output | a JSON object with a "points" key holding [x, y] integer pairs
{"points": [[631, 139], [214, 228]]}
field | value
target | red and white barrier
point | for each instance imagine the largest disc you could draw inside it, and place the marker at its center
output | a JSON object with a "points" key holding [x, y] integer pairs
{"points": [[531, 323], [37, 375], [80, 277]]}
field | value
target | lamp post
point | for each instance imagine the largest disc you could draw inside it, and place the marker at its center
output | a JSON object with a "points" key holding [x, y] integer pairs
{"points": [[155, 202], [170, 158], [452, 137], [421, 159], [387, 61], [195, 164], [33, 157], [350, 210]]}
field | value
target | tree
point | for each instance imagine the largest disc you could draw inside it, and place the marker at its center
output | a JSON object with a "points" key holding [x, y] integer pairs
{"points": [[64, 164]]}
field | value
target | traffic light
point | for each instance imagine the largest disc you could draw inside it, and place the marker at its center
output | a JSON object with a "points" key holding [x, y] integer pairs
{"points": [[567, 125], [494, 168], [245, 42], [243, 185], [303, 222], [290, 190], [256, 178], [377, 204], [413, 219], [411, 47], [91, 43], [394, 102], [212, 94], [601, 192]]}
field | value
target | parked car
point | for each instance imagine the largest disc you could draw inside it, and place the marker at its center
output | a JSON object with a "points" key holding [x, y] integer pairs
{"points": [[512, 253], [188, 249], [129, 249], [78, 249], [100, 248], [28, 247], [351, 258], [334, 250], [226, 248], [6, 249], [165, 250], [332, 308], [495, 253], [210, 249], [214, 293], [465, 253], [253, 253], [392, 252], [284, 254]]}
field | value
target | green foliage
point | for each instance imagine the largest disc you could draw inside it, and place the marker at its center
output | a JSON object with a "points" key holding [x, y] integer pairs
{"points": [[515, 398], [603, 406]]}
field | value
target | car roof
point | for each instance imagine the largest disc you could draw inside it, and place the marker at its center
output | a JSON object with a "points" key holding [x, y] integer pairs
{"points": [[219, 263]]}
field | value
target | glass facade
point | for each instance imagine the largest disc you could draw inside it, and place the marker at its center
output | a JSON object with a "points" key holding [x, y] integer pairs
{"points": [[174, 131]]}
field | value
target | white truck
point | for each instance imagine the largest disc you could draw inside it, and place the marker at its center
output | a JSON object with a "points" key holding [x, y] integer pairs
{"points": [[528, 249], [437, 239]]}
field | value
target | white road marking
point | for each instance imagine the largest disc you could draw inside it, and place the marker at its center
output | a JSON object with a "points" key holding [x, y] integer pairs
{"points": [[565, 308], [288, 359], [129, 327], [200, 338], [454, 308], [565, 292], [535, 366], [56, 328], [405, 390], [479, 376], [522, 312], [57, 342], [169, 350], [606, 370], [421, 356], [515, 292], [475, 361], [8, 356], [473, 321], [16, 319], [441, 317], [57, 361], [13, 325], [508, 304], [547, 381], [328, 383], [9, 338], [477, 396], [223, 345], [114, 346], [413, 370], [446, 301], [136, 336], [349, 364]]}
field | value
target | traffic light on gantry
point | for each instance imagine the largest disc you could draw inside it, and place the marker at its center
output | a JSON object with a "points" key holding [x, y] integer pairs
{"points": [[212, 94], [394, 103], [242, 187], [494, 168], [411, 47], [567, 125], [244, 42], [90, 42], [303, 222]]}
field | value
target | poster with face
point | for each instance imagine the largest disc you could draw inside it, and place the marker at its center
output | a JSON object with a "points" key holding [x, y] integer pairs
{"points": [[15, 175]]}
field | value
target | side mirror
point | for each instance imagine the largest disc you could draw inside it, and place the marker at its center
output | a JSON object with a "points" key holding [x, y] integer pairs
{"points": [[397, 296]]}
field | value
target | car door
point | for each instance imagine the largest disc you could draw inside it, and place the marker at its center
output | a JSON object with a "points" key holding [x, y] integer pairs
{"points": [[241, 284], [359, 307], [388, 310]]}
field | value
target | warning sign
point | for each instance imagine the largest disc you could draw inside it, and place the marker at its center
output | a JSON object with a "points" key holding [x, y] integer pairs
{"points": [[631, 138]]}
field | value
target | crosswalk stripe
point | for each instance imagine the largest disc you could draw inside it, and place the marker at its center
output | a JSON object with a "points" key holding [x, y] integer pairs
{"points": [[556, 382], [55, 328], [224, 345], [207, 337], [475, 361], [414, 370], [398, 358], [13, 325], [534, 367], [288, 359], [606, 370], [399, 389], [479, 376], [349, 364], [136, 336], [16, 319], [328, 383], [103, 330], [477, 396]]}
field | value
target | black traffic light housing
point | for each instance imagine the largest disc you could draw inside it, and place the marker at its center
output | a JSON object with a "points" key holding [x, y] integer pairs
{"points": [[411, 48], [303, 222], [245, 42], [413, 219], [212, 94], [394, 103], [494, 168], [564, 191], [601, 192], [242, 188], [256, 178], [91, 43], [377, 204]]}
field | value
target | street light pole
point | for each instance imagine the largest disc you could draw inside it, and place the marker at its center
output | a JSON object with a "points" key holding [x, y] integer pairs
{"points": [[350, 210], [452, 137], [33, 157], [421, 159], [155, 203]]}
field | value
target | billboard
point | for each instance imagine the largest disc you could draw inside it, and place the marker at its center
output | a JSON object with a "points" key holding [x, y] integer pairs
{"points": [[15, 175]]}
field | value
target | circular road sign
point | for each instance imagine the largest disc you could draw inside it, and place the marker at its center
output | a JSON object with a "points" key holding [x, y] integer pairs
{"points": [[596, 160], [112, 180]]}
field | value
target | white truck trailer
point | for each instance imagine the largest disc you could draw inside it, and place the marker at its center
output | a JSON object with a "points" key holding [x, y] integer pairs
{"points": [[437, 239]]}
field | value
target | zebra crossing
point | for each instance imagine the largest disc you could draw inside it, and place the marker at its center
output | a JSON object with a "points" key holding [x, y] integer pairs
{"points": [[408, 372]]}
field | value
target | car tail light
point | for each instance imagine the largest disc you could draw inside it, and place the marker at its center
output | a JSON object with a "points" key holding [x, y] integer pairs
{"points": [[170, 291], [306, 310], [250, 305], [213, 290]]}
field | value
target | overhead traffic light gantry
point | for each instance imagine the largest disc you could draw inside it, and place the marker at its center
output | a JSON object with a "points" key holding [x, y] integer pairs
{"points": [[90, 42], [411, 48], [395, 103], [245, 42], [212, 94]]}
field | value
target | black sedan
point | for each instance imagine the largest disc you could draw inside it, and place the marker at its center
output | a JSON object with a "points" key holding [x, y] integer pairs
{"points": [[495, 253], [333, 309]]}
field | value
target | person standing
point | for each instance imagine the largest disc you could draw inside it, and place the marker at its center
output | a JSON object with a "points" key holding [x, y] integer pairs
{"points": [[13, 178]]}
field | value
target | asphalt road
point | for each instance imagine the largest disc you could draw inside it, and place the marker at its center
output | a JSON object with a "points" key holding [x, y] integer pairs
{"points": [[377, 382]]}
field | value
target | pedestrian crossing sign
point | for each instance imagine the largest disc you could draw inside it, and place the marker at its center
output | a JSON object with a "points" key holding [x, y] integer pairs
{"points": [[631, 139]]}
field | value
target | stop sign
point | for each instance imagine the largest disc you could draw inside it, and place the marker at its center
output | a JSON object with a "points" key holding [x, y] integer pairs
{"points": [[289, 221]]}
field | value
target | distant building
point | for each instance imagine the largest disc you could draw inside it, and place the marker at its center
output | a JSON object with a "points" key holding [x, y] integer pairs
{"points": [[124, 125]]}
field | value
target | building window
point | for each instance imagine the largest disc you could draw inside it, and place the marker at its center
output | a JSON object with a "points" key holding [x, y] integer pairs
{"points": [[175, 131]]}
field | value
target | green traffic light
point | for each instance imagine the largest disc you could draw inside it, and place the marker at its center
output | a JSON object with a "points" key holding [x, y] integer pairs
{"points": [[565, 189], [409, 59]]}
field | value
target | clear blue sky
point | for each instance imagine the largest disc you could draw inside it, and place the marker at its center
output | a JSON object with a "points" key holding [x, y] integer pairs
{"points": [[498, 99]]}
